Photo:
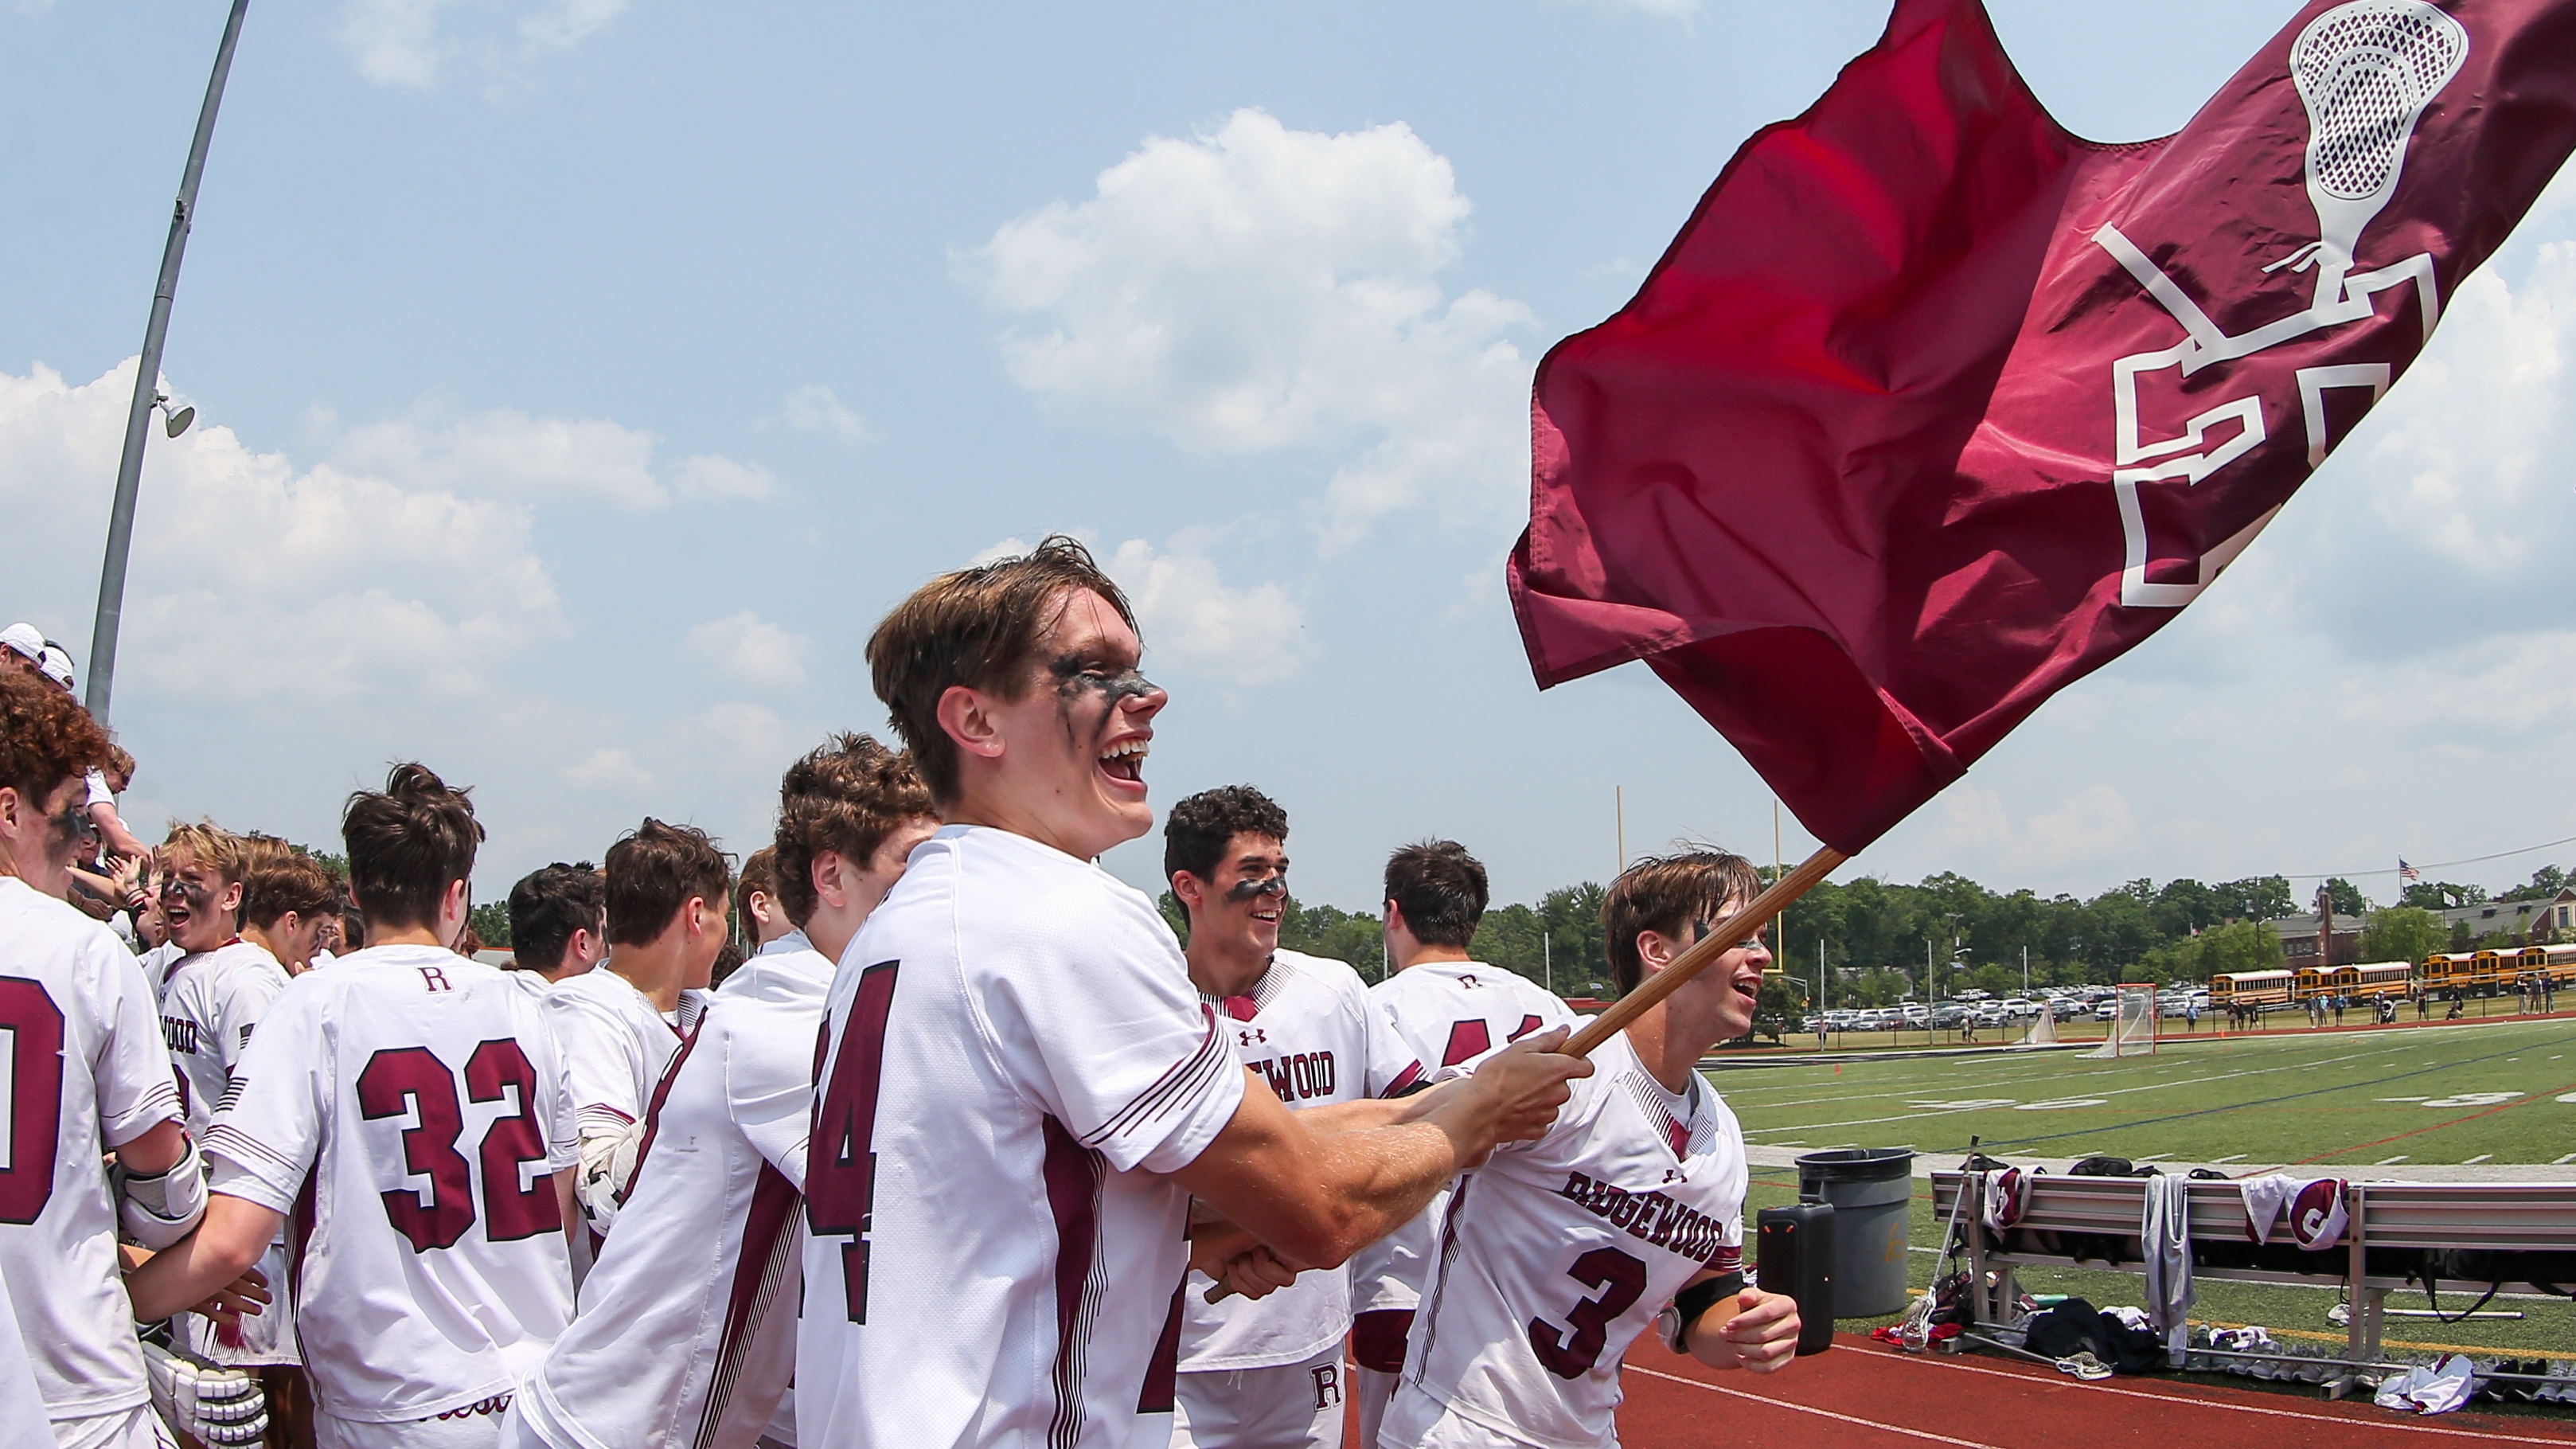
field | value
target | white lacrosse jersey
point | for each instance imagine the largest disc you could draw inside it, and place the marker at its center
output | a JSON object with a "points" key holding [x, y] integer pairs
{"points": [[210, 1001], [618, 1044], [86, 1072], [686, 1335], [1557, 1253], [1015, 1054], [22, 1404], [1309, 1029], [156, 964], [406, 1110], [1452, 1013]]}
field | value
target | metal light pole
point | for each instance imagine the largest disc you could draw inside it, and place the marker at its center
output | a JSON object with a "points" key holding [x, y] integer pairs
{"points": [[147, 385]]}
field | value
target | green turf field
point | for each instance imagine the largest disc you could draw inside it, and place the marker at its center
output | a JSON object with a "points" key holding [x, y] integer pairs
{"points": [[2502, 1091]]}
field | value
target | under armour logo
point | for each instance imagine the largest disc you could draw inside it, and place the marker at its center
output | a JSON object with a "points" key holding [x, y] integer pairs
{"points": [[1253, 1036]]}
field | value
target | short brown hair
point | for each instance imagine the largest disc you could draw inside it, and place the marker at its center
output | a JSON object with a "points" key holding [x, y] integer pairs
{"points": [[1663, 893], [1441, 890], [847, 796], [654, 870], [290, 881], [406, 843], [45, 738], [981, 628], [760, 874], [547, 906]]}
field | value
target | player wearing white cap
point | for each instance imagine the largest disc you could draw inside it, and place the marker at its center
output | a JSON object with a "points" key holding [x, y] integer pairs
{"points": [[1267, 1373], [1555, 1254], [724, 1156], [88, 1075], [1022, 1091], [1453, 1010], [409, 1107], [620, 1025]]}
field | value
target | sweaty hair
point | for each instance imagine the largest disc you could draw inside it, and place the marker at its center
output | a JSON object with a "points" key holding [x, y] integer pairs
{"points": [[1664, 893], [1197, 831], [547, 906], [653, 871], [1441, 890], [981, 628], [845, 797], [759, 877], [286, 881], [45, 738], [213, 847], [406, 844]]}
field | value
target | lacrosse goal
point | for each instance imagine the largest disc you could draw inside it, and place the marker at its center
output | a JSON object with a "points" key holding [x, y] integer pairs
{"points": [[2133, 1026]]}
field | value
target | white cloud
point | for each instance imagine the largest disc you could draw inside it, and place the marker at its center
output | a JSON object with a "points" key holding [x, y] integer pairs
{"points": [[355, 581], [750, 649], [608, 771], [815, 408], [405, 43], [1261, 288], [508, 453], [2095, 824], [1245, 635]]}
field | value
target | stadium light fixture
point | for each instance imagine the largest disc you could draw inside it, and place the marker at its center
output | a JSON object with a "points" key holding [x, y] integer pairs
{"points": [[173, 423]]}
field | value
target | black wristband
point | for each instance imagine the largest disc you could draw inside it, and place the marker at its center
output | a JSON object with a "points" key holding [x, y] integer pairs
{"points": [[1697, 1299]]}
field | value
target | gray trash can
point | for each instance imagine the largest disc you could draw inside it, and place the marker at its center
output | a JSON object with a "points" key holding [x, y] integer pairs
{"points": [[1872, 1190]]}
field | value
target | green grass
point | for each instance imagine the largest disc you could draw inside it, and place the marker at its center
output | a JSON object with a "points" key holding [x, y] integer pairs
{"points": [[2320, 1098], [2342, 1099]]}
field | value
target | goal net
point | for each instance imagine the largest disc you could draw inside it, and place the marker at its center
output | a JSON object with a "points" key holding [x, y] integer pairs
{"points": [[2133, 1027]]}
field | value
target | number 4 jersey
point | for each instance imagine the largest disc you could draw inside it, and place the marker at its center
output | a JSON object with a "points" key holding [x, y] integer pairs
{"points": [[405, 1108], [1557, 1253]]}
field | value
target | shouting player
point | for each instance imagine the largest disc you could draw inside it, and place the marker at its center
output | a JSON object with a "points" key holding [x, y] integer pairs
{"points": [[725, 1155], [1267, 1373], [1557, 1253], [1022, 1091], [89, 1075], [1452, 1010], [558, 924], [211, 1000], [408, 1106], [621, 1024]]}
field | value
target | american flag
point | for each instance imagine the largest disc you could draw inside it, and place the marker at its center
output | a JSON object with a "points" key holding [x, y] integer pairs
{"points": [[2407, 874]]}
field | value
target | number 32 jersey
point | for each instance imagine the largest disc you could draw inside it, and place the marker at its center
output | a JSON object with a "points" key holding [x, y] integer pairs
{"points": [[1558, 1252], [405, 1109]]}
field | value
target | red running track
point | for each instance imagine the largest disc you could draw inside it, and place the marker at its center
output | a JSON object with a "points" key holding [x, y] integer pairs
{"points": [[1863, 1395]]}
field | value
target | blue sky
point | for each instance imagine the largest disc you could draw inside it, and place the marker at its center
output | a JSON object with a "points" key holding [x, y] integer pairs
{"points": [[580, 380]]}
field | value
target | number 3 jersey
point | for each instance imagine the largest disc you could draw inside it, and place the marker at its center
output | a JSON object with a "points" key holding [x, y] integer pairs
{"points": [[1309, 1029], [405, 1109], [1556, 1253], [1015, 1055]]}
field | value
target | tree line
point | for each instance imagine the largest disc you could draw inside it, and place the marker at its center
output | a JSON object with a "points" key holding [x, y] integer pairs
{"points": [[1881, 941]]}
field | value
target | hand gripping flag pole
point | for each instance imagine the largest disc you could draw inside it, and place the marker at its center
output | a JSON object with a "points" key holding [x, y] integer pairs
{"points": [[1721, 938], [1934, 408]]}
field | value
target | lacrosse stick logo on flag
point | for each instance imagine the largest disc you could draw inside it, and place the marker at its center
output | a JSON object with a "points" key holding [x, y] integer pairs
{"points": [[1934, 408]]}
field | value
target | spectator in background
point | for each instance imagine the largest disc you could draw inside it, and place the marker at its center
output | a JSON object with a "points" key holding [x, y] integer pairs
{"points": [[756, 905], [558, 922]]}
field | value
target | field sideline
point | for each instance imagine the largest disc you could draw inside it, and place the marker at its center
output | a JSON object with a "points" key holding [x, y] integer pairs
{"points": [[2499, 1091]]}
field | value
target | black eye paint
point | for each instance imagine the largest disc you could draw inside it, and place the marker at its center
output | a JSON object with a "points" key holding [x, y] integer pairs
{"points": [[1249, 888], [1077, 675]]}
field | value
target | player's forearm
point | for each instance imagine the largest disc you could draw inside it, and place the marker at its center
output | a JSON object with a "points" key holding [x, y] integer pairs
{"points": [[230, 1239]]}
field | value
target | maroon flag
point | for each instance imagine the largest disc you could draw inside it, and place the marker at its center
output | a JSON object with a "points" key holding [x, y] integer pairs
{"points": [[1933, 408]]}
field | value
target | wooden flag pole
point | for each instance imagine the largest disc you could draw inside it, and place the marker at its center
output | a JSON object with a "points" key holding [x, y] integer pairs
{"points": [[1722, 938]]}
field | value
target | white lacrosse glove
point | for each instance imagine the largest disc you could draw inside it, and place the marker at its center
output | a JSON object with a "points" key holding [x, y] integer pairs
{"points": [[213, 1404], [607, 1174]]}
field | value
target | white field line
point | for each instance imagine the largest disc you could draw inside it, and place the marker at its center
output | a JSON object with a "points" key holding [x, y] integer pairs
{"points": [[1955, 1111], [1819, 1413], [2407, 1426], [2072, 1084]]}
